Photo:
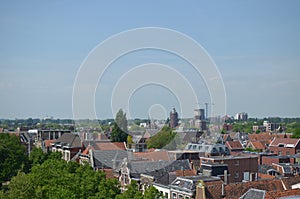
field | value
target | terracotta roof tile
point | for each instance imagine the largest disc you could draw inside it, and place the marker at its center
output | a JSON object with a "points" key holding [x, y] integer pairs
{"points": [[185, 173], [234, 144], [290, 141], [152, 156], [279, 194], [257, 145], [261, 136], [48, 143], [236, 190], [109, 146]]}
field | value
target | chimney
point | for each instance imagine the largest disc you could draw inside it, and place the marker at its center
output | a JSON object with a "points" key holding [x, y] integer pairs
{"points": [[225, 177], [223, 190]]}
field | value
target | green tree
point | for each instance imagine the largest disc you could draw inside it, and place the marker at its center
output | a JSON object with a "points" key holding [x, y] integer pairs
{"points": [[296, 133], [21, 187], [37, 156], [152, 193], [109, 188], [132, 192], [56, 179], [162, 138], [120, 128], [13, 156]]}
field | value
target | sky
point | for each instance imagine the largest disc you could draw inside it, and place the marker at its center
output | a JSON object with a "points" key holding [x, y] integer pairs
{"points": [[254, 44]]}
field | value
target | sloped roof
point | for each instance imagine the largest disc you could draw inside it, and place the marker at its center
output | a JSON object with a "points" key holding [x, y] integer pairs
{"points": [[257, 145], [157, 168], [288, 142], [261, 136], [236, 190], [48, 143], [70, 139], [254, 193], [234, 145], [152, 156], [190, 182], [105, 145], [109, 158]]}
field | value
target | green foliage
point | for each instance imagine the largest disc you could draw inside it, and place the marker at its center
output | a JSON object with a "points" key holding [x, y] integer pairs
{"points": [[56, 179], [296, 133], [252, 150], [152, 193], [37, 156], [13, 156], [243, 127], [120, 128], [132, 192], [162, 138]]}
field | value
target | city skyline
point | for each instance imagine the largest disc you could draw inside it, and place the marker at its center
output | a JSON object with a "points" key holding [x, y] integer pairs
{"points": [[255, 46]]}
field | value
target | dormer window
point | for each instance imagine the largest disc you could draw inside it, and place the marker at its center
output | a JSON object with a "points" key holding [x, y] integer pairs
{"points": [[280, 145]]}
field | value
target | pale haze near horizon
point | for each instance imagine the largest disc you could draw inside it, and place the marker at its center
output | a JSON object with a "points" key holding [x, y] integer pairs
{"points": [[254, 44]]}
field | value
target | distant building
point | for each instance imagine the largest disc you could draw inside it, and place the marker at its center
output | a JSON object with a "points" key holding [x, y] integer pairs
{"points": [[241, 116], [173, 118], [199, 114], [271, 126]]}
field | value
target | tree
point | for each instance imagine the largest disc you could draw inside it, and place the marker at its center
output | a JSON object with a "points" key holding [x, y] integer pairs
{"points": [[37, 156], [120, 128], [162, 138], [13, 156], [152, 193], [296, 133], [132, 192]]}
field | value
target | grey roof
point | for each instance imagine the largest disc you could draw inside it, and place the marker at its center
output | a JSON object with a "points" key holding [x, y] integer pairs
{"points": [[109, 158], [70, 140], [157, 168], [190, 182], [254, 193], [208, 148], [152, 132]]}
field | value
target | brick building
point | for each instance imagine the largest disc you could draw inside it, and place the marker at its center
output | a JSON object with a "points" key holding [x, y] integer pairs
{"points": [[285, 146], [240, 168]]}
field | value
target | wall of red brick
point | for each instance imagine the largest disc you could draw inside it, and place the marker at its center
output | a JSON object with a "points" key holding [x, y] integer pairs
{"points": [[284, 150]]}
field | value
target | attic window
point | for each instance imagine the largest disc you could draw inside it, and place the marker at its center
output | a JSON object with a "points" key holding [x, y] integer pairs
{"points": [[280, 145], [177, 182]]}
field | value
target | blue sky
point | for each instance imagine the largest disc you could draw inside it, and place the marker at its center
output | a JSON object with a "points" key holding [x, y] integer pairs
{"points": [[255, 45]]}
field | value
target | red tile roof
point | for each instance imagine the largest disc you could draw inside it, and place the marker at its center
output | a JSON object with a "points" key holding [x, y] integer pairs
{"points": [[48, 143], [185, 173], [285, 193], [109, 146], [234, 144], [288, 142], [87, 149], [152, 156], [261, 136], [236, 190], [257, 145]]}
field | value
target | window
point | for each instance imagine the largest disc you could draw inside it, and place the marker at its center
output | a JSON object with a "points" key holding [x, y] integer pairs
{"points": [[174, 196], [236, 174], [279, 153], [237, 163], [180, 196], [166, 195], [288, 153]]}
